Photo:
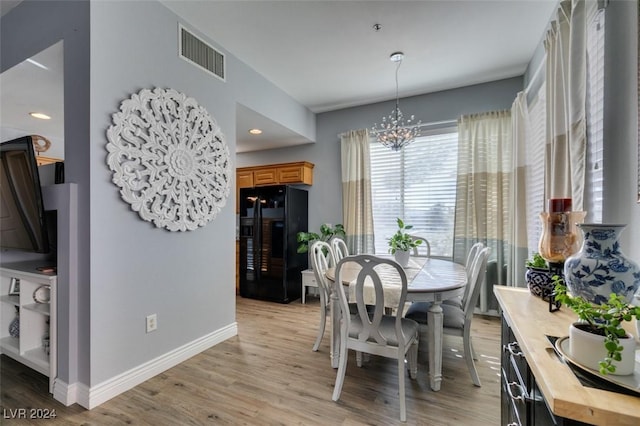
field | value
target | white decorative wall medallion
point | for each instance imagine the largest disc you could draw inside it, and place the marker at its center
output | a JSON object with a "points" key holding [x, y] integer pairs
{"points": [[169, 158]]}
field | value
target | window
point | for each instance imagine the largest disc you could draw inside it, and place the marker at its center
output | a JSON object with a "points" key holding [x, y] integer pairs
{"points": [[418, 185]]}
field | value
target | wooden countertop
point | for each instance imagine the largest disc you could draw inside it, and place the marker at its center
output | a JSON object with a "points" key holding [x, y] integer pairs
{"points": [[530, 320]]}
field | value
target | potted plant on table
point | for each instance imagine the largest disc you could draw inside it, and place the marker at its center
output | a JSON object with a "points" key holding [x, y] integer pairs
{"points": [[538, 277], [401, 243], [615, 350]]}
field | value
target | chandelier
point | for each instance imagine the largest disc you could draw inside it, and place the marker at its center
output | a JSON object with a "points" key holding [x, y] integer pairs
{"points": [[394, 132]]}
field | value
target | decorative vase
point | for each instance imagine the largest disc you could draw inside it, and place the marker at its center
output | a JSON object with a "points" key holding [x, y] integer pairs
{"points": [[539, 281], [14, 327], [588, 350], [600, 268], [560, 237], [402, 257]]}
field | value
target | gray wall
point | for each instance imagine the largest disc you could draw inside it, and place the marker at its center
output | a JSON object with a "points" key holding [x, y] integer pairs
{"points": [[326, 193], [136, 268], [128, 268]]}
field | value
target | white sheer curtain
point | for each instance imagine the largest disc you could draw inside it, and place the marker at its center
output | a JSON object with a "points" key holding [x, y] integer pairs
{"points": [[519, 192], [566, 70], [356, 191], [483, 204]]}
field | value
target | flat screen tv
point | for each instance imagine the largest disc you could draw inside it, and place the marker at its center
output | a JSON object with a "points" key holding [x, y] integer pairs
{"points": [[22, 216]]}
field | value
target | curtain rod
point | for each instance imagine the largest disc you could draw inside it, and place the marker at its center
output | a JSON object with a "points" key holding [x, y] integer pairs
{"points": [[432, 124]]}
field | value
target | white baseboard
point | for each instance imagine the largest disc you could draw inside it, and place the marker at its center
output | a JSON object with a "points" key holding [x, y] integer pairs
{"points": [[92, 397]]}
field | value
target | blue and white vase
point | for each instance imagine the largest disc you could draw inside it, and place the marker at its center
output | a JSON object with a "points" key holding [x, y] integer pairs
{"points": [[539, 281], [600, 268]]}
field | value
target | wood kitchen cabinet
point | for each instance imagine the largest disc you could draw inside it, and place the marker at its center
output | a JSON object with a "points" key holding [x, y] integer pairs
{"points": [[273, 174], [244, 178]]}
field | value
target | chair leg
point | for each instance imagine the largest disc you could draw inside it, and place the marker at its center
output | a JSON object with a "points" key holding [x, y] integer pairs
{"points": [[359, 358], [468, 355], [412, 358], [403, 406], [473, 351], [323, 321], [342, 368]]}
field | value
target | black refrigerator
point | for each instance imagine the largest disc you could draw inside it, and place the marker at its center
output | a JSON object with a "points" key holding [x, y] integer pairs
{"points": [[270, 219]]}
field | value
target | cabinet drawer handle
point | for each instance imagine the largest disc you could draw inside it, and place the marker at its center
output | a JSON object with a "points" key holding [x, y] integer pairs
{"points": [[514, 349], [522, 392], [514, 424]]}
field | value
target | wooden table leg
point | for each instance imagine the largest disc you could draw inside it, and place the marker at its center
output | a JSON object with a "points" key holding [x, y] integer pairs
{"points": [[434, 328]]}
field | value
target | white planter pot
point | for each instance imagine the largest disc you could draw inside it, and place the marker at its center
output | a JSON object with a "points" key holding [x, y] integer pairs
{"points": [[588, 350], [402, 257]]}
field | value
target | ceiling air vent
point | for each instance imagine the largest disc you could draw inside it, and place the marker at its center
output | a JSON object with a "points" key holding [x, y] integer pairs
{"points": [[196, 51]]}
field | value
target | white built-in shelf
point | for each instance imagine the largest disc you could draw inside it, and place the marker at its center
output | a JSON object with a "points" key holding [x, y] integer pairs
{"points": [[37, 320], [10, 344], [13, 300], [41, 308]]}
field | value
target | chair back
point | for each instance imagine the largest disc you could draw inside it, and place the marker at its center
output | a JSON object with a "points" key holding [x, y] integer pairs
{"points": [[374, 270], [424, 249], [322, 258], [471, 258], [340, 248], [476, 279], [473, 252]]}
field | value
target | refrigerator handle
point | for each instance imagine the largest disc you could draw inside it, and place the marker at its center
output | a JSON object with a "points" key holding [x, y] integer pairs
{"points": [[257, 237]]}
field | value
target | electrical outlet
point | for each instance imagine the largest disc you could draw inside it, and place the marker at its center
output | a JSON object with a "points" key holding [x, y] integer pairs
{"points": [[152, 323]]}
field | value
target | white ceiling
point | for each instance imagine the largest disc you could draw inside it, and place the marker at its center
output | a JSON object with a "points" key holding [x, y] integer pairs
{"points": [[327, 56]]}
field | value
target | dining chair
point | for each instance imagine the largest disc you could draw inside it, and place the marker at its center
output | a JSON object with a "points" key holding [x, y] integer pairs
{"points": [[340, 248], [422, 250], [457, 320], [471, 257], [322, 258], [474, 251], [369, 330]]}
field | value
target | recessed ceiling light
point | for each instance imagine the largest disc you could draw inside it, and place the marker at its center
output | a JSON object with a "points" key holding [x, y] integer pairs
{"points": [[255, 131], [37, 64], [40, 115]]}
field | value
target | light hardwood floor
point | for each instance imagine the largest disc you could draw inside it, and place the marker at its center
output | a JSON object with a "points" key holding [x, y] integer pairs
{"points": [[268, 375]]}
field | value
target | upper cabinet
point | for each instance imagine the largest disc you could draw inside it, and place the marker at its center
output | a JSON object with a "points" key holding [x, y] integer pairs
{"points": [[275, 174]]}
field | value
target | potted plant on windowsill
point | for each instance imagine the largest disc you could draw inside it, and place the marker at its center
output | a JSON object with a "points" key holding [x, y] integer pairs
{"points": [[401, 243], [615, 350], [538, 276]]}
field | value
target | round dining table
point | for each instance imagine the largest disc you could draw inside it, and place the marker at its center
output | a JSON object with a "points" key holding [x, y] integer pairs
{"points": [[429, 280]]}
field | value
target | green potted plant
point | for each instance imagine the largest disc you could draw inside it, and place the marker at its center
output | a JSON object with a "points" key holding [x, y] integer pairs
{"points": [[538, 276], [327, 231], [616, 351], [401, 243]]}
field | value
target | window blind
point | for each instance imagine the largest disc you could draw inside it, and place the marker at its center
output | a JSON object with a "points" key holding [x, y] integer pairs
{"points": [[595, 117], [418, 185], [535, 168]]}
